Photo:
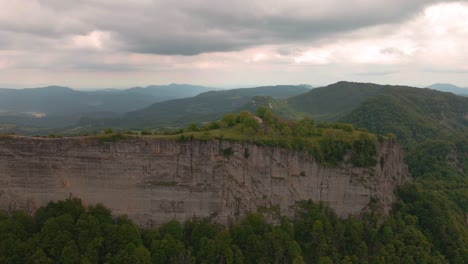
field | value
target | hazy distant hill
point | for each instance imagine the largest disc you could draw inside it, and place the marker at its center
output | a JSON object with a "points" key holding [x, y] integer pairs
{"points": [[204, 107], [55, 99], [446, 87], [55, 106], [171, 91]]}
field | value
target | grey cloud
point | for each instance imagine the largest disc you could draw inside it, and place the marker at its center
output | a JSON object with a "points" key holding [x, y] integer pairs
{"points": [[194, 27], [286, 51], [205, 28], [392, 51], [23, 41]]}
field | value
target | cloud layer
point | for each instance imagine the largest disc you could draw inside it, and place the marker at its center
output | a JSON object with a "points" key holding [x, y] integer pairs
{"points": [[83, 43]]}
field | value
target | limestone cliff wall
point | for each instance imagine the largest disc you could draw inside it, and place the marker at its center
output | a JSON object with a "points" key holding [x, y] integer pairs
{"points": [[154, 181]]}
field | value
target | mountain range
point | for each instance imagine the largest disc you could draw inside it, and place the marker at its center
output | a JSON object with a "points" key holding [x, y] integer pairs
{"points": [[204, 107], [56, 106], [176, 105]]}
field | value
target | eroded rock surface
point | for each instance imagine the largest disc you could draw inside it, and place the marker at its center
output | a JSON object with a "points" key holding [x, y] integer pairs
{"points": [[154, 181]]}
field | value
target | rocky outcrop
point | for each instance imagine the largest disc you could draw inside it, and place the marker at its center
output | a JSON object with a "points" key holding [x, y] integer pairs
{"points": [[154, 180]]}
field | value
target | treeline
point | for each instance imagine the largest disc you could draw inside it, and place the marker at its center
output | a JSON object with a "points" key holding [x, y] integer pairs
{"points": [[420, 229]]}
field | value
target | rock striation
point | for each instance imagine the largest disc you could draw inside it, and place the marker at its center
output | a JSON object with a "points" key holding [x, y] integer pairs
{"points": [[155, 180]]}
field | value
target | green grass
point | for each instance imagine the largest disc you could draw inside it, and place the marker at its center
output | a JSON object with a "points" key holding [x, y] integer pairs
{"points": [[112, 137], [6, 136]]}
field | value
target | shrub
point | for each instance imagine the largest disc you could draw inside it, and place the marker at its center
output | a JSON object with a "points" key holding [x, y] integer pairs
{"points": [[54, 135], [193, 127], [184, 138], [146, 132], [227, 152], [113, 137], [246, 153], [108, 131]]}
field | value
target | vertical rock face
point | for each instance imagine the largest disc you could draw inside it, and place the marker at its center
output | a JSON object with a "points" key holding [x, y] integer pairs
{"points": [[154, 181]]}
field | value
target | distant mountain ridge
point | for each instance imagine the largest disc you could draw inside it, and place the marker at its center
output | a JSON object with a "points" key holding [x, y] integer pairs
{"points": [[48, 99], [63, 106], [204, 107], [447, 87]]}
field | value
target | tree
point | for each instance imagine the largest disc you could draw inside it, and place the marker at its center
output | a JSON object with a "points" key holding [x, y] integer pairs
{"points": [[70, 254]]}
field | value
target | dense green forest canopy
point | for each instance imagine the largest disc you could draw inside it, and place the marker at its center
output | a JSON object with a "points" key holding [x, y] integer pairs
{"points": [[422, 228]]}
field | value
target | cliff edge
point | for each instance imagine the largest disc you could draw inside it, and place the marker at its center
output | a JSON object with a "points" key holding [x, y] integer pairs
{"points": [[155, 180]]}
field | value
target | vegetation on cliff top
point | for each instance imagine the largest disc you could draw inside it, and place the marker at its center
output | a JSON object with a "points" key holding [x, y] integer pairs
{"points": [[329, 143]]}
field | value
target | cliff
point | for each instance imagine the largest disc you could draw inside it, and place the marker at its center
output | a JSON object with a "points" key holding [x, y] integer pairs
{"points": [[154, 180]]}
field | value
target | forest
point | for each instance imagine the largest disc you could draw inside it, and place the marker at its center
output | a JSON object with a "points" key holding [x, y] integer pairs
{"points": [[420, 229]]}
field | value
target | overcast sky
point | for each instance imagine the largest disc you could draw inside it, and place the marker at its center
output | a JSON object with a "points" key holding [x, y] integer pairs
{"points": [[124, 43]]}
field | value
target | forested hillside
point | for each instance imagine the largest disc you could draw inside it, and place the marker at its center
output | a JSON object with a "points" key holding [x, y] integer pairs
{"points": [[331, 102], [433, 126], [412, 114]]}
